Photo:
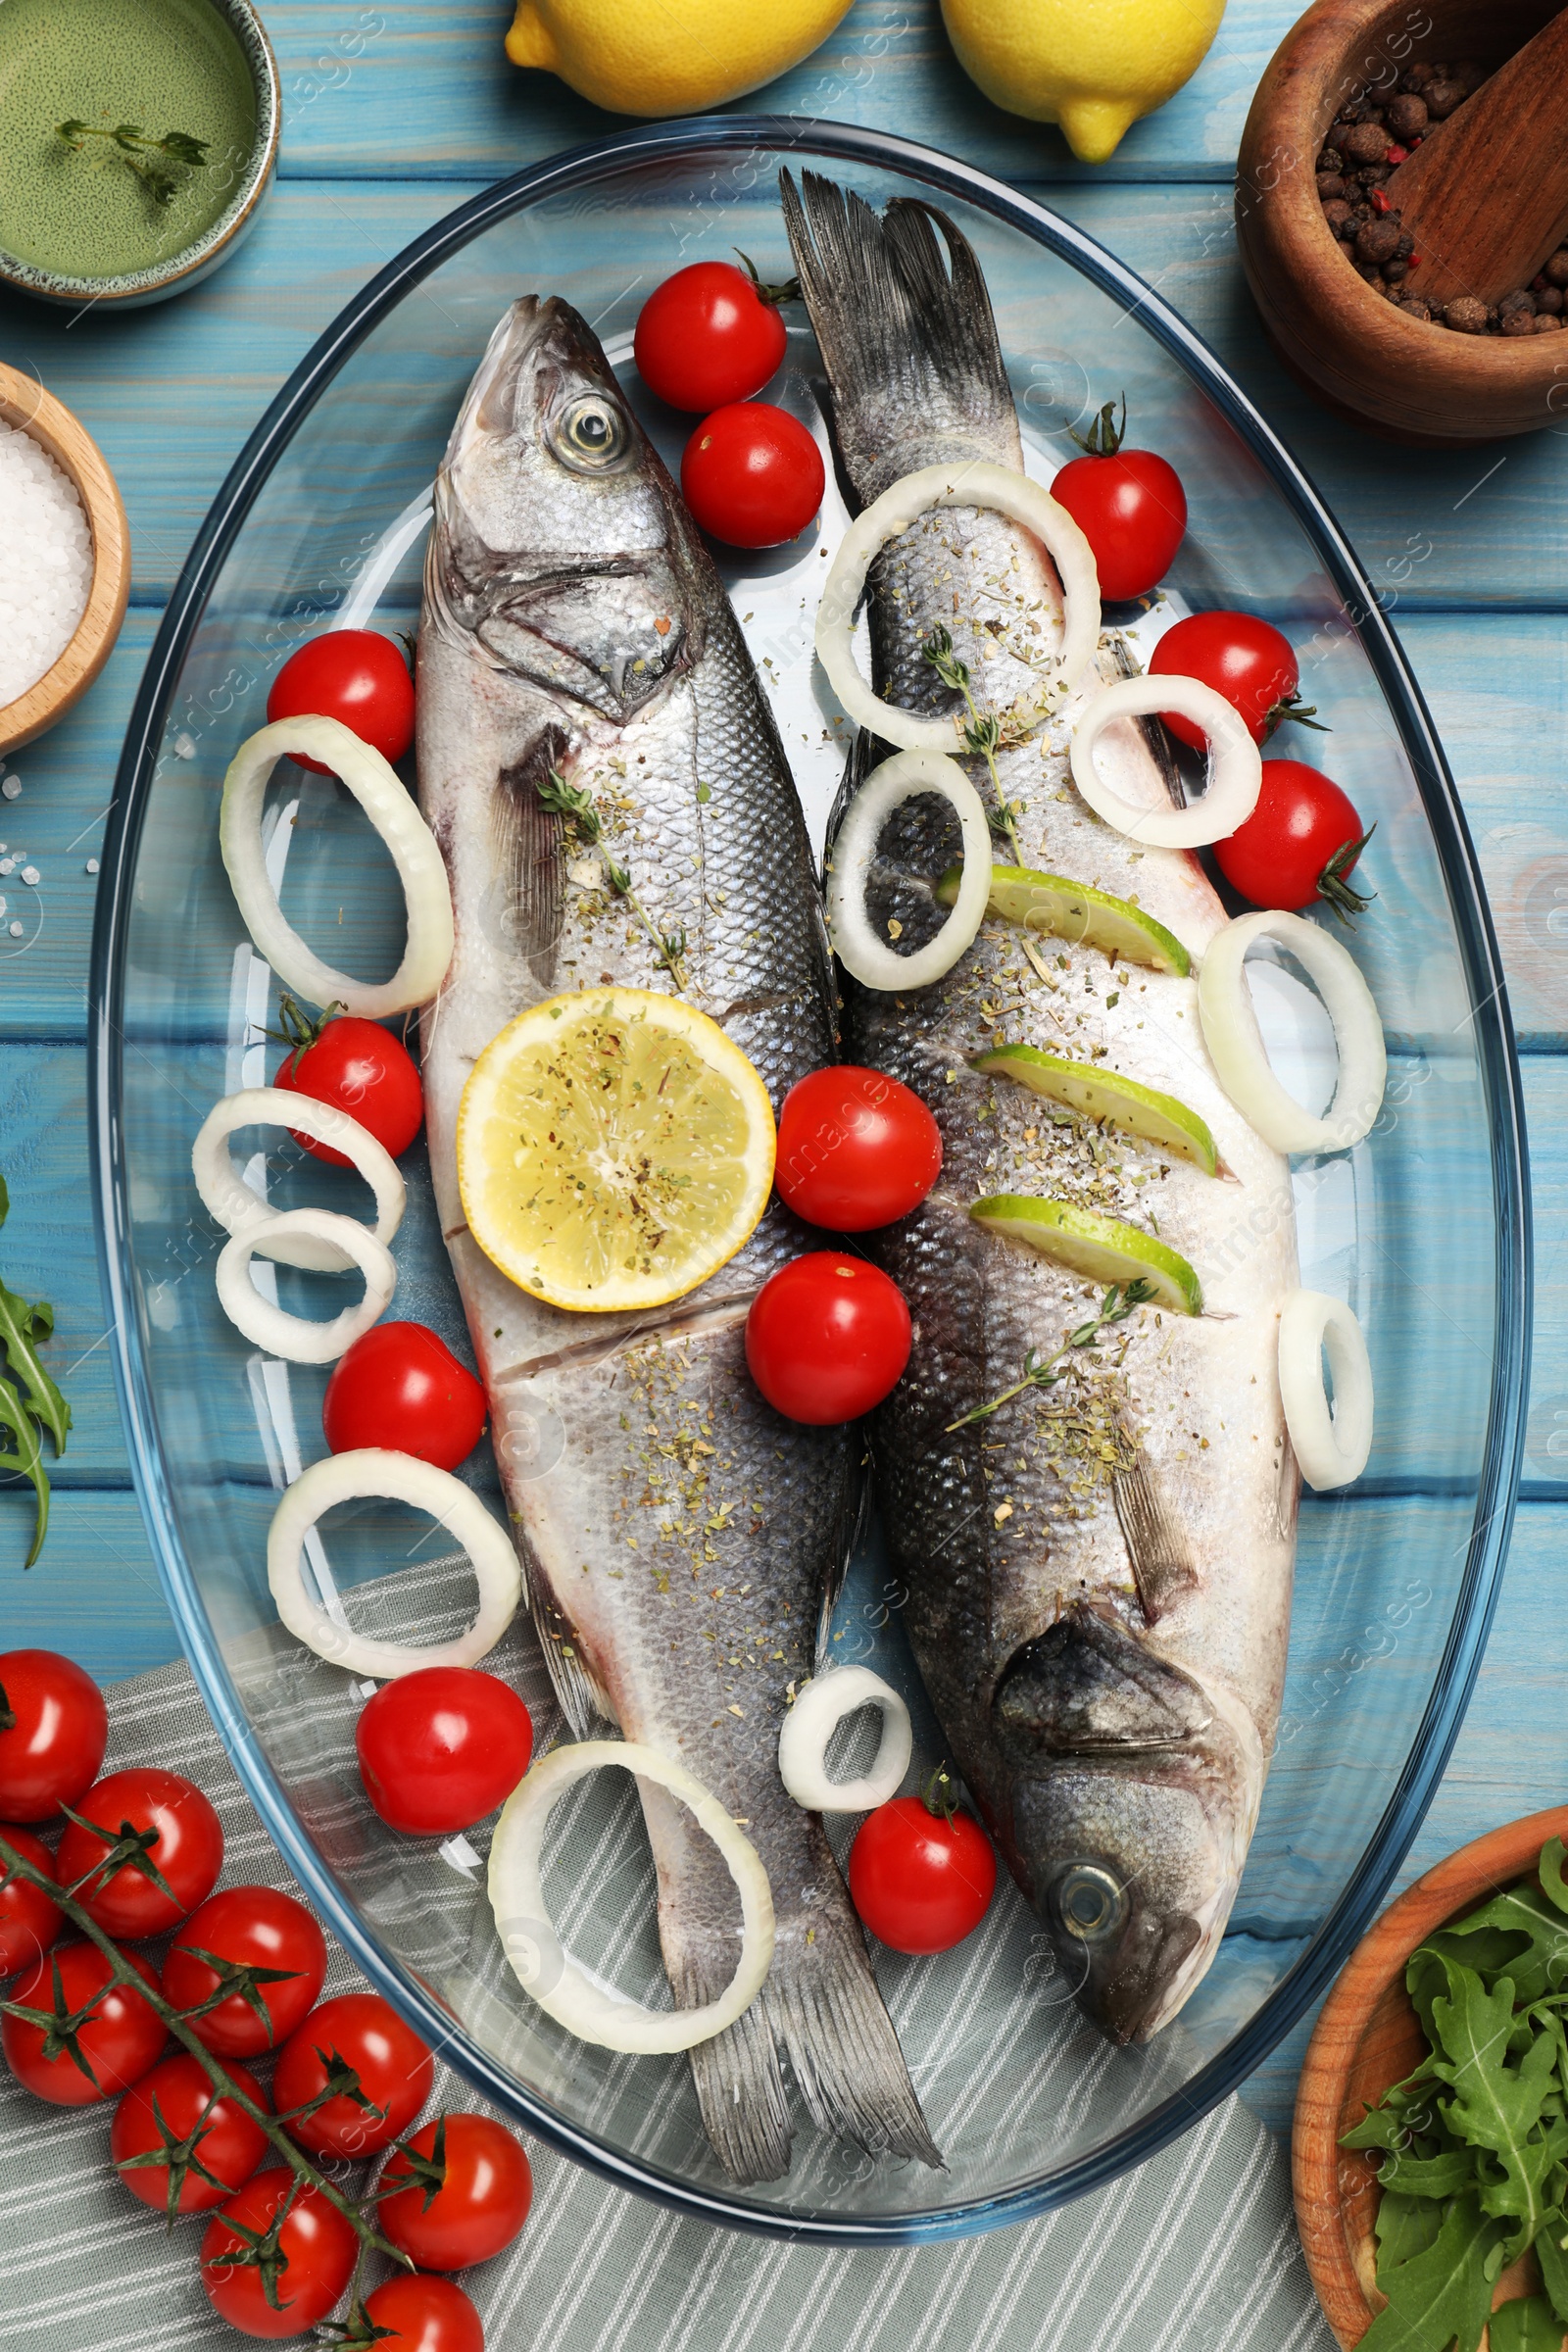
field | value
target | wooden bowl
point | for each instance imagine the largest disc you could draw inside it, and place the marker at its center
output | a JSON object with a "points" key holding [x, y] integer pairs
{"points": [[24, 401], [1410, 381], [1367, 2038]]}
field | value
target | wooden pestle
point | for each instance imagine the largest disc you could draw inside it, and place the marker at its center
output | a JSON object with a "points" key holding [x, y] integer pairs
{"points": [[1485, 194]]}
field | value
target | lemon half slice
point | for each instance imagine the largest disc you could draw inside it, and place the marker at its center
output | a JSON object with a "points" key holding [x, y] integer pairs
{"points": [[614, 1149]]}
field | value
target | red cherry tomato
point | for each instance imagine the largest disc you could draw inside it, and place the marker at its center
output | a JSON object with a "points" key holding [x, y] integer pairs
{"points": [[1130, 506], [54, 1727], [856, 1148], [254, 1927], [318, 2248], [187, 1850], [827, 1336], [400, 1386], [708, 336], [480, 2206], [28, 1921], [356, 677], [230, 2145], [364, 1069], [394, 2067], [753, 476], [921, 1881], [1300, 843], [425, 2314], [1243, 659], [441, 1747], [119, 2037]]}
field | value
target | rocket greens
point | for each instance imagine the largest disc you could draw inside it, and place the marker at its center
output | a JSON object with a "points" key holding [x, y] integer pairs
{"points": [[27, 1395], [1475, 2143]]}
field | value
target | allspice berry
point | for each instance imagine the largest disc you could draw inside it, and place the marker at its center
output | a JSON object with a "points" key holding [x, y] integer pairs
{"points": [[1414, 308], [1377, 240], [1518, 323], [1363, 142], [1545, 324], [1549, 300], [1407, 117], [1329, 183], [1466, 316], [1441, 98], [1556, 270], [1518, 300], [1470, 74], [1337, 212]]}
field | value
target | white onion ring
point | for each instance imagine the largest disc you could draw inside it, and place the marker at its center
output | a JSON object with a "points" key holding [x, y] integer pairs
{"points": [[885, 789], [226, 1197], [387, 802], [562, 1991], [821, 1706], [972, 484], [1238, 766], [374, 1470], [294, 1336], [1331, 1448], [1235, 1043]]}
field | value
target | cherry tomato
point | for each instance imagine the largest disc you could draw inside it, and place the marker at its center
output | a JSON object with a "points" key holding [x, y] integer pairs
{"points": [[1243, 659], [708, 336], [28, 1921], [922, 1880], [230, 2145], [753, 476], [441, 1747], [119, 2037], [1129, 505], [827, 1336], [856, 1148], [361, 1068], [1300, 843], [425, 2314], [187, 1850], [479, 2206], [356, 677], [254, 1927], [394, 2067], [400, 1386], [54, 1727], [318, 2248]]}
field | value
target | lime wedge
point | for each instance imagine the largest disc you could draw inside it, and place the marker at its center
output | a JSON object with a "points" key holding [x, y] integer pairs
{"points": [[1101, 1249], [1141, 1110], [1091, 918]]}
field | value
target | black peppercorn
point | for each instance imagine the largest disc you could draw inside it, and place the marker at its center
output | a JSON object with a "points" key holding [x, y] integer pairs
{"points": [[1370, 272], [1337, 212], [1329, 183], [1396, 272], [1556, 268], [1378, 241], [1331, 160], [1441, 98], [1414, 308], [1518, 300], [1415, 79], [1549, 300]]}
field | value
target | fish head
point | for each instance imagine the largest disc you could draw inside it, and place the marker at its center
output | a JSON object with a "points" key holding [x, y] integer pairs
{"points": [[561, 550]]}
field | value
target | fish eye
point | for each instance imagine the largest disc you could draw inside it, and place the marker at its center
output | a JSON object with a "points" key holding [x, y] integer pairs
{"points": [[1090, 1903], [590, 433]]}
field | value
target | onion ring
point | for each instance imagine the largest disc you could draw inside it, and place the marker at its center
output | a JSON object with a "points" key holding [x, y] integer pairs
{"points": [[1238, 776], [382, 794], [972, 484], [821, 1706], [375, 1470], [226, 1197], [886, 787], [1330, 1447], [294, 1336], [1235, 1043], [562, 1991]]}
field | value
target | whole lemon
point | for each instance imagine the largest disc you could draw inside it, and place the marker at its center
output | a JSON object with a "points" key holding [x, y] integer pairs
{"points": [[1093, 66], [673, 57]]}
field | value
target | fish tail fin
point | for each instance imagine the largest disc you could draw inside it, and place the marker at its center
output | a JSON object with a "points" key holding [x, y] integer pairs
{"points": [[823, 2004]]}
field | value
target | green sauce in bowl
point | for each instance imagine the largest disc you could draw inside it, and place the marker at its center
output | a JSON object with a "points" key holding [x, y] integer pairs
{"points": [[164, 65]]}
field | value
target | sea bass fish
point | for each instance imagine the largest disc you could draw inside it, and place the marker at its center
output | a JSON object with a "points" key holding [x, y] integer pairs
{"points": [[1100, 1571], [678, 1539]]}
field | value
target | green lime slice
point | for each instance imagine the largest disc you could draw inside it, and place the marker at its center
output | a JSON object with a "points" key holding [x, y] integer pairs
{"points": [[1073, 911], [1141, 1110], [1101, 1249]]}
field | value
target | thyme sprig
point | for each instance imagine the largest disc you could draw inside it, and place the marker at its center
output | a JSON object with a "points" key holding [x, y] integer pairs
{"points": [[1119, 1302], [577, 804], [30, 1401], [163, 165], [983, 734]]}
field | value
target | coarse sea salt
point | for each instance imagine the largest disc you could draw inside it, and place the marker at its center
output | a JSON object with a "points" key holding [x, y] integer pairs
{"points": [[48, 569]]}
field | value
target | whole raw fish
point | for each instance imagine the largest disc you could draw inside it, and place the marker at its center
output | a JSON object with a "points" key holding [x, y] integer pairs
{"points": [[679, 1551], [1099, 1572]]}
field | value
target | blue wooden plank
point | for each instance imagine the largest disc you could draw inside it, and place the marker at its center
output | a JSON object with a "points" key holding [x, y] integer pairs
{"points": [[94, 1593]]}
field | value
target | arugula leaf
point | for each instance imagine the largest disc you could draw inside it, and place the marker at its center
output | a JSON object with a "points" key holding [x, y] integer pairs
{"points": [[1552, 2252], [1496, 2106], [1406, 2226], [1446, 2175], [1519, 1934], [27, 1395], [1526, 2325], [1549, 1872], [1440, 2296]]}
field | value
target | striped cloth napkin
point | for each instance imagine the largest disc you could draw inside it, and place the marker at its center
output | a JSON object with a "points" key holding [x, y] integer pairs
{"points": [[1196, 2253]]}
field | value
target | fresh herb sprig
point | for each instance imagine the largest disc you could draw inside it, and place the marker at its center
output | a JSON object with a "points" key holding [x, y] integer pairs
{"points": [[30, 1404], [163, 165], [1474, 2144], [1119, 1302], [577, 806], [983, 734]]}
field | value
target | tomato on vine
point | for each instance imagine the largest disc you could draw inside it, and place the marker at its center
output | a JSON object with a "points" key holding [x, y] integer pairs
{"points": [[1301, 844], [54, 1727], [73, 2038], [468, 2190], [266, 1950], [711, 335], [425, 2314], [378, 2068], [357, 1066], [28, 1921], [164, 1841], [1129, 505], [178, 2145], [921, 1873], [1245, 659], [275, 2232], [356, 677]]}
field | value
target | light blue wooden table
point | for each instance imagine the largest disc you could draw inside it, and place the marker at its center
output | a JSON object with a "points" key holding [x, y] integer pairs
{"points": [[396, 113]]}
